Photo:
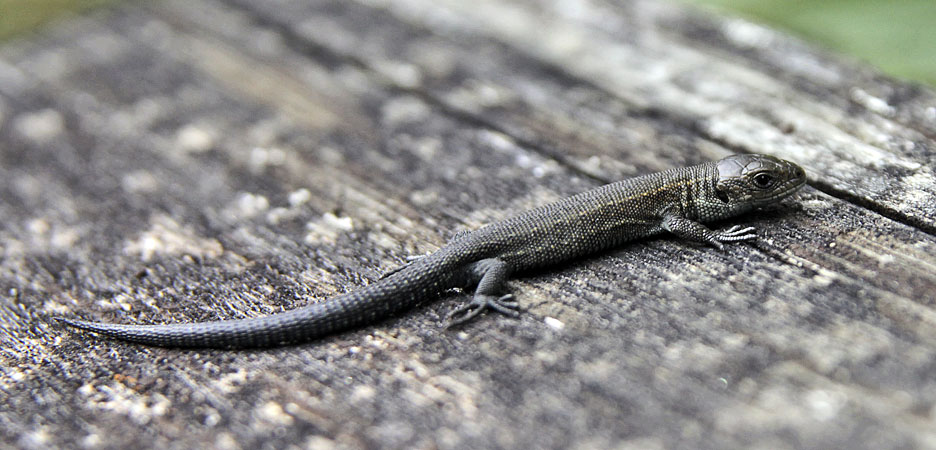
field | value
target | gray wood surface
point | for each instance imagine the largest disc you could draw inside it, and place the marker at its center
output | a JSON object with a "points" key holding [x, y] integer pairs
{"points": [[183, 161]]}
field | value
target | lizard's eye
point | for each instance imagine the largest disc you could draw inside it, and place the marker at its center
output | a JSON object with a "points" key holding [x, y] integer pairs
{"points": [[764, 180]]}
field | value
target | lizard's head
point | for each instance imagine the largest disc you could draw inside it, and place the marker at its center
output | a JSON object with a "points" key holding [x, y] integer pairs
{"points": [[748, 181]]}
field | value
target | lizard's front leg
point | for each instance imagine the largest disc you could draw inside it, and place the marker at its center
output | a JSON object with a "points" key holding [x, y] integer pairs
{"points": [[695, 231], [491, 275]]}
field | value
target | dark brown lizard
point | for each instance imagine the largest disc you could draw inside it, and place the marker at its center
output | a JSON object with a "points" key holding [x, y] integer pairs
{"points": [[676, 200]]}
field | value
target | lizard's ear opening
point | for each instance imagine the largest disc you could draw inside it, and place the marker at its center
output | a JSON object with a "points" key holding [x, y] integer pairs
{"points": [[721, 194]]}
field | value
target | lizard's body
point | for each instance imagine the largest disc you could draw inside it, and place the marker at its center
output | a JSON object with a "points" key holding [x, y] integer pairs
{"points": [[675, 200]]}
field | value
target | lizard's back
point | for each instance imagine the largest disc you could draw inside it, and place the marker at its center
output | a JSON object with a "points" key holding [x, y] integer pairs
{"points": [[593, 220]]}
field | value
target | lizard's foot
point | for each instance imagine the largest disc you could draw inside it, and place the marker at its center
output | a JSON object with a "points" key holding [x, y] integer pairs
{"points": [[733, 234], [504, 304]]}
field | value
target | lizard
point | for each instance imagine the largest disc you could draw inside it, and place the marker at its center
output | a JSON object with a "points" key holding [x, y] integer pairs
{"points": [[677, 201]]}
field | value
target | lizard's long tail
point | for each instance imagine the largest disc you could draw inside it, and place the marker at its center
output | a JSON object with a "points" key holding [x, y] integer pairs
{"points": [[421, 280]]}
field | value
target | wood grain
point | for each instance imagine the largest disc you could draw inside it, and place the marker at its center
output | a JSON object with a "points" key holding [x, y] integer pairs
{"points": [[189, 161]]}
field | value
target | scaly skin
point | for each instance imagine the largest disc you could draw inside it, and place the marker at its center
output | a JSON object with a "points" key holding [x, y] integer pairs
{"points": [[676, 200]]}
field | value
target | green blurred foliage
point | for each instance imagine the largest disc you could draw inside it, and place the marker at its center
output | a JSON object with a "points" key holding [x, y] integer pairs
{"points": [[899, 36], [18, 16]]}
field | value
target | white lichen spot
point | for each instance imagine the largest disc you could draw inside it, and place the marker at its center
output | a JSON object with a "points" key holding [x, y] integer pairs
{"points": [[38, 438], [212, 417], [167, 237], [262, 157], [917, 190], [226, 441], [321, 443], [874, 104], [57, 237], [476, 96], [489, 95], [424, 197], [195, 139], [384, 240], [276, 215], [86, 389], [919, 181], [362, 393], [426, 148], [246, 205], [823, 279], [231, 382], [38, 227], [523, 160], [64, 237], [592, 164], [538, 167], [338, 223], [120, 399], [499, 141], [121, 301], [747, 34], [295, 199], [40, 126], [16, 375], [825, 404], [885, 259], [407, 109], [273, 412], [548, 167], [328, 228], [293, 408], [931, 113], [146, 246], [815, 203], [93, 440], [734, 342], [554, 323], [402, 74], [139, 181], [299, 197]]}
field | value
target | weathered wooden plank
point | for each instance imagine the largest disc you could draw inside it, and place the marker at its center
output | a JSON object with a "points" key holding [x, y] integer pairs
{"points": [[213, 160], [849, 135]]}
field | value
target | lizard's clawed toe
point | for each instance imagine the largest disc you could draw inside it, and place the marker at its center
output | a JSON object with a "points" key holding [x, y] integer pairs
{"points": [[734, 234], [505, 304], [738, 230]]}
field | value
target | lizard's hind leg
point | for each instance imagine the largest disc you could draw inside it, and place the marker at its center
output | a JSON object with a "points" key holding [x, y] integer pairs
{"points": [[491, 275]]}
